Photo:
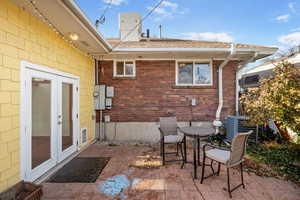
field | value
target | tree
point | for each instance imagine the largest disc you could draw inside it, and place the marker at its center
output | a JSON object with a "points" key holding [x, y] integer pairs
{"points": [[277, 98]]}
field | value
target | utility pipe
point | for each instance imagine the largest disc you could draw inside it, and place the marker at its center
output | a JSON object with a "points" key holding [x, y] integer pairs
{"points": [[217, 122]]}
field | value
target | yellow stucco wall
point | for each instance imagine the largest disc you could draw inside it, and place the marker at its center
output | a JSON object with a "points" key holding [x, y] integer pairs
{"points": [[24, 37]]}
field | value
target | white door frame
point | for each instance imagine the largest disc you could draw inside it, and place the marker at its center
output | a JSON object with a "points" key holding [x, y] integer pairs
{"points": [[24, 106]]}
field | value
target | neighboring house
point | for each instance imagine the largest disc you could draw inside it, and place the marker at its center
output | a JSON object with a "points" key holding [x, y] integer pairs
{"points": [[154, 77], [250, 78], [47, 75]]}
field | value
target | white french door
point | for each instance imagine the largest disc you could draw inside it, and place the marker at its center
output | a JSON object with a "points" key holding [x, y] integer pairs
{"points": [[51, 120], [67, 117]]}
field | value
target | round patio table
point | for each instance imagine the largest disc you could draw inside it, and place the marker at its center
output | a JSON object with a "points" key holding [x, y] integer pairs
{"points": [[196, 133]]}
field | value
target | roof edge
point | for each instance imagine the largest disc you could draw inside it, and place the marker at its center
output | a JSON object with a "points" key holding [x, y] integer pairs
{"points": [[268, 50], [74, 8]]}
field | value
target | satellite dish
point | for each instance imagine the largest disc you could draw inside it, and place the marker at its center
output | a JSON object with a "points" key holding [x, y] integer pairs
{"points": [[101, 20]]}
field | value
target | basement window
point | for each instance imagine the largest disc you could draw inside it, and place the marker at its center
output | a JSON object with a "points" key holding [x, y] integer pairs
{"points": [[124, 68], [193, 73]]}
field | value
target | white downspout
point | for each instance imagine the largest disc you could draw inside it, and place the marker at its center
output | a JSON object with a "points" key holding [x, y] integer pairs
{"points": [[237, 85], [217, 122]]}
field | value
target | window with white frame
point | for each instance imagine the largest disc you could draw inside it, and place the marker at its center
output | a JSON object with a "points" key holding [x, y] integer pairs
{"points": [[124, 68], [193, 73]]}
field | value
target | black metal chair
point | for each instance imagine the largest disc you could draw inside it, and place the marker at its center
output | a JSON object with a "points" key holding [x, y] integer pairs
{"points": [[228, 157], [169, 135]]}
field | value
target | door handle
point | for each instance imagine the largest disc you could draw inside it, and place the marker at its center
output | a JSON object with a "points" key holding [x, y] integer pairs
{"points": [[59, 122]]}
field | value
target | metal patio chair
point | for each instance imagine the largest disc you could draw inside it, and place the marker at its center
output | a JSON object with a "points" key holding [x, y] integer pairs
{"points": [[228, 157], [169, 135]]}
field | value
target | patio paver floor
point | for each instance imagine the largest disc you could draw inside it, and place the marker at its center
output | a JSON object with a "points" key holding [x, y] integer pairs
{"points": [[166, 182]]}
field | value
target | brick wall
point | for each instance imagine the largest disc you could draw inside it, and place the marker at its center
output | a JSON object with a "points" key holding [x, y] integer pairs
{"points": [[24, 37], [152, 93], [229, 87]]}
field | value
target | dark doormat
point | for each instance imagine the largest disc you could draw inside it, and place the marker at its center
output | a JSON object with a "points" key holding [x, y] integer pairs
{"points": [[80, 170]]}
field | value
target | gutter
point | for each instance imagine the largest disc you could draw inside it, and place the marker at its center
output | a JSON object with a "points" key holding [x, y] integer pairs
{"points": [[217, 122], [242, 50]]}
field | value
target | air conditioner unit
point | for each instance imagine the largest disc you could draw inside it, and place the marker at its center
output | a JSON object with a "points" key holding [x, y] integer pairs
{"points": [[235, 125]]}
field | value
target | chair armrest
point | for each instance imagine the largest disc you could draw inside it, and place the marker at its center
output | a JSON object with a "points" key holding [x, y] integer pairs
{"points": [[215, 147]]}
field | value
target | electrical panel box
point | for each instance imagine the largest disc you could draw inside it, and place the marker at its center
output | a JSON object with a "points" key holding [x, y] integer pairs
{"points": [[109, 92], [99, 97]]}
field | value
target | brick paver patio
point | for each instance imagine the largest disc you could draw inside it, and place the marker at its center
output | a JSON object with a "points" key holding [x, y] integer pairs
{"points": [[165, 182]]}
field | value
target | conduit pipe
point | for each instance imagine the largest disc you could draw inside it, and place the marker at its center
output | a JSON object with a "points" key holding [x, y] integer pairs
{"points": [[217, 122]]}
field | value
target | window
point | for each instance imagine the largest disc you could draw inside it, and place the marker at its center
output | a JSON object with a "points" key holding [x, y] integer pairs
{"points": [[194, 73], [252, 79], [124, 68]]}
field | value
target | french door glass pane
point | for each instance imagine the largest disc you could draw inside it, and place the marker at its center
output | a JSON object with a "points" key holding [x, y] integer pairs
{"points": [[67, 113], [41, 121]]}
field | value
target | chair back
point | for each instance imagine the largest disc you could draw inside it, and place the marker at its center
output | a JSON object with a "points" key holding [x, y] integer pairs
{"points": [[238, 148], [168, 125]]}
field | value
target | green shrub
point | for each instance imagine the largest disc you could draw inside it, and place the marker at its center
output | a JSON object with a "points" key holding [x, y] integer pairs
{"points": [[283, 158], [277, 98]]}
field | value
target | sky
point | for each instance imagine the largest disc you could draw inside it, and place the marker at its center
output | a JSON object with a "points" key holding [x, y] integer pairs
{"points": [[259, 22]]}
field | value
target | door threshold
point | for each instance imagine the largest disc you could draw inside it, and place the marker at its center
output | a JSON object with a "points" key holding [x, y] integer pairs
{"points": [[53, 170]]}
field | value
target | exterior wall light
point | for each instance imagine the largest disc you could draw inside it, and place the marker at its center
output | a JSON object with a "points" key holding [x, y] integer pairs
{"points": [[73, 36]]}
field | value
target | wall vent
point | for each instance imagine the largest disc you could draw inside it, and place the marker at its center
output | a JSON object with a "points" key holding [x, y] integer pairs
{"points": [[83, 135]]}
